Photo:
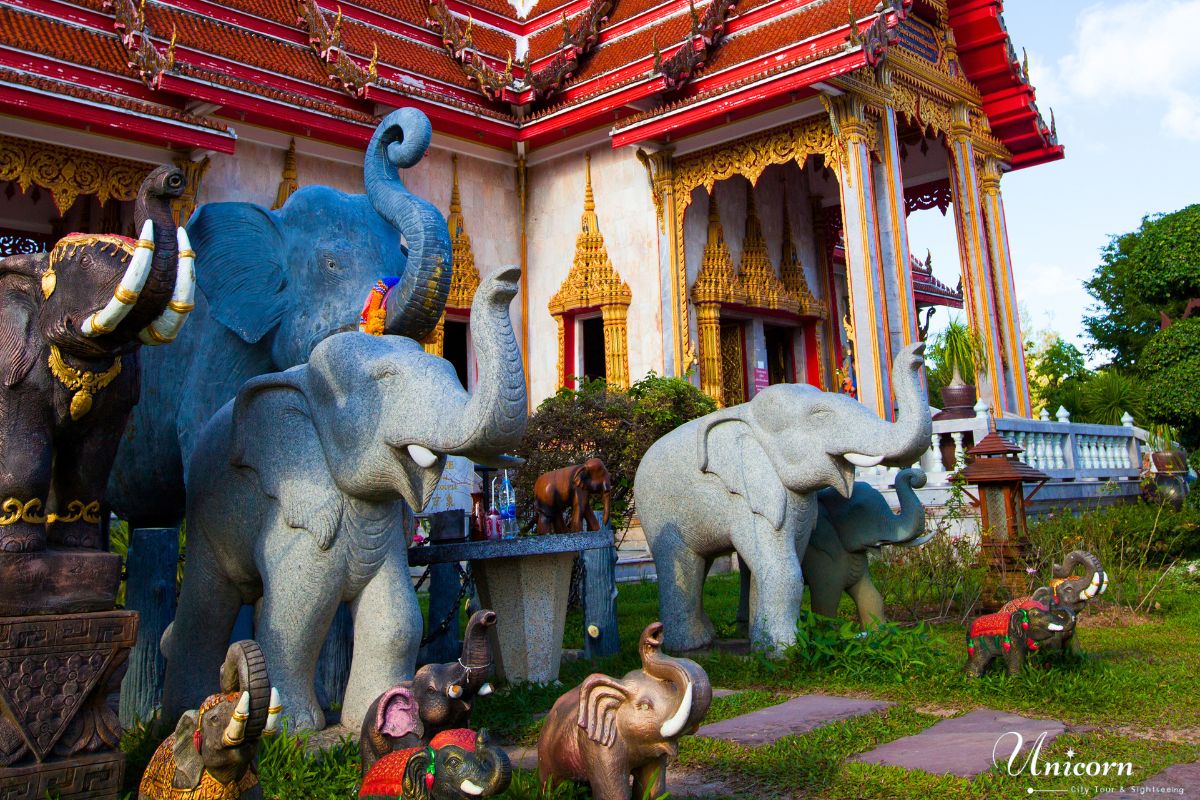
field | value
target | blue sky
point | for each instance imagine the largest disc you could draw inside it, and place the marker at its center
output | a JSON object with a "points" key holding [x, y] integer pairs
{"points": [[1123, 78]]}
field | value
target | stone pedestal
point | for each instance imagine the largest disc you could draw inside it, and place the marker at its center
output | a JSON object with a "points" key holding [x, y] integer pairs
{"points": [[58, 730], [529, 596], [58, 582]]}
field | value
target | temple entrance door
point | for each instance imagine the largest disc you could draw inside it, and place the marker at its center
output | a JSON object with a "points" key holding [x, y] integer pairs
{"points": [[591, 348], [733, 364], [781, 355], [455, 348]]}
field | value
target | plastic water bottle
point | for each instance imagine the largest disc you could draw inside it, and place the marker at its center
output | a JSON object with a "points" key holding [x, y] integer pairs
{"points": [[508, 507], [495, 524]]}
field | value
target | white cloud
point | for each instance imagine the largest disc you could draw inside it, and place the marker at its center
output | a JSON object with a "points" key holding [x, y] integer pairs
{"points": [[1136, 50]]}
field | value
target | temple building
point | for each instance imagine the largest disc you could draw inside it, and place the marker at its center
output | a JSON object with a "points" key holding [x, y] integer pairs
{"points": [[709, 188]]}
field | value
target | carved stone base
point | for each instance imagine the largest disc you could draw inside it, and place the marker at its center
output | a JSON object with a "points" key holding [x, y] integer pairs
{"points": [[89, 777], [58, 729], [58, 582]]}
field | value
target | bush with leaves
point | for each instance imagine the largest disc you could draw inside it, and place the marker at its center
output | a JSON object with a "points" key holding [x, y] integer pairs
{"points": [[1171, 366], [606, 422]]}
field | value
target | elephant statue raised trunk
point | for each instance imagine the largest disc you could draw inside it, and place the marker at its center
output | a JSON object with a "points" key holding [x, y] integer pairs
{"points": [[605, 730], [746, 478], [71, 322], [298, 494]]}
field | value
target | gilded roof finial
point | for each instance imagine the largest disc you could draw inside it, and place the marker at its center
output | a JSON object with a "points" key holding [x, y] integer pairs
{"points": [[1025, 64], [589, 201], [455, 200], [1053, 124], [288, 179]]}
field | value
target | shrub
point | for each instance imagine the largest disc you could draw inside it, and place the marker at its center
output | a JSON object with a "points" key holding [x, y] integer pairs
{"points": [[885, 653], [1171, 366], [1110, 394]]}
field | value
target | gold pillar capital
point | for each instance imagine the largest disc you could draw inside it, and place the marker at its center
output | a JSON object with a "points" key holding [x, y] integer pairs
{"points": [[990, 172], [848, 112], [960, 121]]}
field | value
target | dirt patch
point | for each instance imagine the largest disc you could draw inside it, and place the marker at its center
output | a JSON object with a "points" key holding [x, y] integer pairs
{"points": [[1111, 616], [1178, 735]]}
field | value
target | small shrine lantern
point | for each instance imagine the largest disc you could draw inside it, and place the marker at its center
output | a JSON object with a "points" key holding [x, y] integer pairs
{"points": [[1000, 476]]}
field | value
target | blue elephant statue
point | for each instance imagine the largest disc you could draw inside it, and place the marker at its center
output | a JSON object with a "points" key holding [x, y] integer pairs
{"points": [[273, 284]]}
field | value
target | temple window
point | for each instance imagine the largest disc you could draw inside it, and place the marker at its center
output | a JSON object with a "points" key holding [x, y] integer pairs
{"points": [[591, 307]]}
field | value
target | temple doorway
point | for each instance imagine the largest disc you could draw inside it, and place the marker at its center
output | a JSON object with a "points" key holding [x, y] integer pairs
{"points": [[591, 348]]}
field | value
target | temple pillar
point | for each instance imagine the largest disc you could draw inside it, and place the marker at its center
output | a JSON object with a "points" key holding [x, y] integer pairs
{"points": [[973, 253], [660, 169], [864, 256], [1007, 321], [708, 328], [893, 235], [616, 344]]}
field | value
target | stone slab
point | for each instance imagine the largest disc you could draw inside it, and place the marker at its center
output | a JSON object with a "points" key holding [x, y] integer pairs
{"points": [[509, 548], [95, 776], [798, 715], [962, 746], [58, 582], [1180, 782]]}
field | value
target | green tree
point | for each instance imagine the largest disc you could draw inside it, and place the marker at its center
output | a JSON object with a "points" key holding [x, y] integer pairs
{"points": [[1151, 271], [1055, 367], [1170, 365]]}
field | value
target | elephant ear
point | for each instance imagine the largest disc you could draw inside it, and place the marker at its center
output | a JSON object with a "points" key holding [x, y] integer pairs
{"points": [[730, 450], [414, 775], [18, 309], [291, 466], [599, 698], [239, 266], [1043, 595], [189, 768], [397, 714]]}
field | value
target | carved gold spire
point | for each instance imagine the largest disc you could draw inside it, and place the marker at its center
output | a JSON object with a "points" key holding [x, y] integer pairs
{"points": [[760, 285], [792, 274], [288, 180], [593, 282], [464, 276], [716, 281]]}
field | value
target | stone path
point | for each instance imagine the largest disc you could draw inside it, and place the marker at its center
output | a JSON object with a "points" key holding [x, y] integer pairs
{"points": [[798, 715], [1180, 782], [963, 746]]}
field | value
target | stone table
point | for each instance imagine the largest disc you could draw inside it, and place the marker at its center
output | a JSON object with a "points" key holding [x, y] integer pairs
{"points": [[526, 582]]}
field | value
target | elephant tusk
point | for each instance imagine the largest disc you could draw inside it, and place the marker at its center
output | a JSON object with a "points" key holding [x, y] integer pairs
{"points": [[274, 709], [423, 456], [918, 541], [164, 329], [454, 691], [484, 690], [471, 788], [1054, 626], [235, 731], [859, 460], [1104, 582], [674, 726], [108, 318]]}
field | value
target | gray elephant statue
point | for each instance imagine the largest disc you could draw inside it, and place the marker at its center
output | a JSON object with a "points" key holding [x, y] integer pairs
{"points": [[272, 285], [847, 530], [297, 493], [745, 478], [213, 750]]}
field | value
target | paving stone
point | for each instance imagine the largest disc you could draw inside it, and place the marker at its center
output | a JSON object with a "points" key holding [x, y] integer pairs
{"points": [[798, 715], [963, 745], [1180, 782], [724, 692]]}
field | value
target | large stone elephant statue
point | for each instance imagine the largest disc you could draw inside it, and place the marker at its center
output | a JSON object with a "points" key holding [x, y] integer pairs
{"points": [[272, 285], [745, 478], [835, 560], [296, 497]]}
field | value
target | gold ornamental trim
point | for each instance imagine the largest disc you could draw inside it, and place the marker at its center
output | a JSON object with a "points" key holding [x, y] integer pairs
{"points": [[77, 510], [29, 511], [84, 384], [68, 173]]}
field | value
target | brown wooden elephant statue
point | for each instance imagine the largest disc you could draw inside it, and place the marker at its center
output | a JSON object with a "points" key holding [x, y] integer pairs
{"points": [[571, 489], [605, 729], [438, 698], [70, 324], [213, 750]]}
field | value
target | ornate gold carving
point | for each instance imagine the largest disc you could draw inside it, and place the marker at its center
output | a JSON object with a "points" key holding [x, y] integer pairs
{"points": [[84, 384], [435, 342], [660, 176], [288, 178], [716, 282], [990, 172], [464, 280], [326, 42], [792, 276], [733, 365], [761, 287], [129, 20], [29, 511], [708, 325], [193, 174], [592, 282], [77, 510], [616, 344], [68, 173]]}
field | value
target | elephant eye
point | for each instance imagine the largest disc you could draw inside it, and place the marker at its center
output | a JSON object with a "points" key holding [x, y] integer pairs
{"points": [[821, 414], [329, 263], [645, 705]]}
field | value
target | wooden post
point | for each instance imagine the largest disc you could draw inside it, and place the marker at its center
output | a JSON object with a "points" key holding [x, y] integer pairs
{"points": [[333, 665], [600, 602], [150, 591], [444, 587]]}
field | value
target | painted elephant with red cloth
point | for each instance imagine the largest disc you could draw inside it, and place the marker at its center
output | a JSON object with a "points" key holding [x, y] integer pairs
{"points": [[1022, 627], [456, 764]]}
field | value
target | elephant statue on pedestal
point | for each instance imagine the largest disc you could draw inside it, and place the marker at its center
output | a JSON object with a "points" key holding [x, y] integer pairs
{"points": [[71, 322], [847, 529], [272, 285], [213, 750], [296, 496], [745, 478]]}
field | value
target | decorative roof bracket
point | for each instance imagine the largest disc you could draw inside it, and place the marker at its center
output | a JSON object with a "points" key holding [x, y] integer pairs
{"points": [[326, 42]]}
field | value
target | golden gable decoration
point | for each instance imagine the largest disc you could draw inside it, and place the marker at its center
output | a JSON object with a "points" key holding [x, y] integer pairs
{"points": [[67, 173], [760, 285], [592, 282], [464, 278]]}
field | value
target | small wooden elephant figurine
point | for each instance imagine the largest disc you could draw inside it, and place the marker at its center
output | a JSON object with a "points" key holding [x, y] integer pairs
{"points": [[571, 489], [438, 698], [456, 764], [605, 729], [213, 750], [1020, 628]]}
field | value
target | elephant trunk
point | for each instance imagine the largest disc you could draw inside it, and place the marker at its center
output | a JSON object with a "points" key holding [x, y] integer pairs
{"points": [[500, 768], [913, 425], [415, 304], [695, 693], [607, 503], [909, 527], [245, 670], [163, 186], [1086, 586], [493, 415], [477, 650]]}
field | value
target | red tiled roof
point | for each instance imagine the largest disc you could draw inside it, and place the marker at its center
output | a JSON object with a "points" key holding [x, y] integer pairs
{"points": [[431, 62], [666, 33], [282, 11], [291, 98], [37, 34]]}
